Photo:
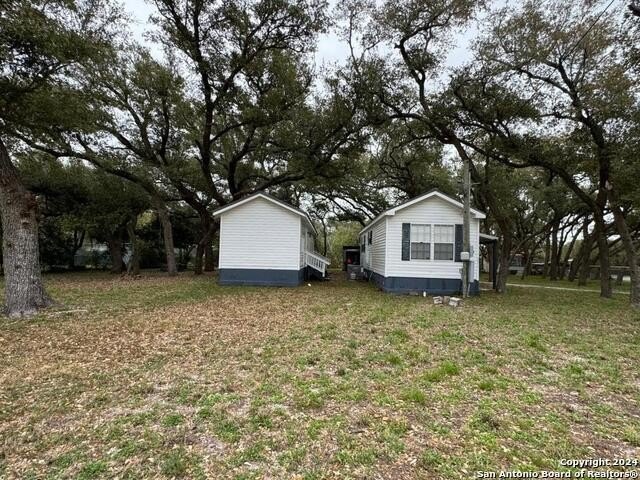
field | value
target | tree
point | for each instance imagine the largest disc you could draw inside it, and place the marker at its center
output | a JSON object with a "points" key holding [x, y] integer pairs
{"points": [[251, 83], [405, 89], [40, 41], [246, 121], [24, 292], [77, 201], [140, 100], [566, 62]]}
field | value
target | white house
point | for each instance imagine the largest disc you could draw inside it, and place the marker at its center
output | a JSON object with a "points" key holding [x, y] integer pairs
{"points": [[265, 241], [415, 247]]}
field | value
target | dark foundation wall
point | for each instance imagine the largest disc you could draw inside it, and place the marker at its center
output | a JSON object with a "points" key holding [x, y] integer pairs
{"points": [[255, 276], [433, 286]]}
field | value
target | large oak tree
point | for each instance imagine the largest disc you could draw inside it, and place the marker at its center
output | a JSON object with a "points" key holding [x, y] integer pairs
{"points": [[40, 42]]}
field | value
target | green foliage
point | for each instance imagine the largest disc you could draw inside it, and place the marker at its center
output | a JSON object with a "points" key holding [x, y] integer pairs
{"points": [[444, 370], [415, 395], [41, 44], [173, 420], [79, 203], [176, 464], [235, 105], [342, 234], [92, 470]]}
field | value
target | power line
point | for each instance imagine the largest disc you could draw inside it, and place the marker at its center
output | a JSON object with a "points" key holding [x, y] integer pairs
{"points": [[590, 28]]}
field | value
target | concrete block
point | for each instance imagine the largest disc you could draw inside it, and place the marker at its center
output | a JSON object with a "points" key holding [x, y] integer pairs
{"points": [[455, 302]]}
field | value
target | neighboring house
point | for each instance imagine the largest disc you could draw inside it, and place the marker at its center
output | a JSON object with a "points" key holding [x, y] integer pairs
{"points": [[265, 241], [517, 264], [91, 254], [415, 247]]}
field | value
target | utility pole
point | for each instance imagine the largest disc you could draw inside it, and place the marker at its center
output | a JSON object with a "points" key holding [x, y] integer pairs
{"points": [[466, 227]]}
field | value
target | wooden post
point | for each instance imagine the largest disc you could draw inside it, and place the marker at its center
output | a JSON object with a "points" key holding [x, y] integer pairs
{"points": [[466, 222]]}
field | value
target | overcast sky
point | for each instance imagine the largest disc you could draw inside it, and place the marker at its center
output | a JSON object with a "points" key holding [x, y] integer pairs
{"points": [[330, 48]]}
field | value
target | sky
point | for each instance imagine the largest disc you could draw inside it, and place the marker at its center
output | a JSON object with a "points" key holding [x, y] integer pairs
{"points": [[330, 48]]}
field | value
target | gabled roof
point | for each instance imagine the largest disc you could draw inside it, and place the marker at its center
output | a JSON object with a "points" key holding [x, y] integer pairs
{"points": [[431, 193], [270, 198]]}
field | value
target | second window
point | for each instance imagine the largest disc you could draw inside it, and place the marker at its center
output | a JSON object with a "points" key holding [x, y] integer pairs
{"points": [[443, 241]]}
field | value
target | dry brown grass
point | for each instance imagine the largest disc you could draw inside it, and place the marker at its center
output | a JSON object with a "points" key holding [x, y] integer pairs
{"points": [[164, 378]]}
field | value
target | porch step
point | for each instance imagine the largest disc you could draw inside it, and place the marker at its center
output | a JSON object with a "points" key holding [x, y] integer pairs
{"points": [[317, 262]]}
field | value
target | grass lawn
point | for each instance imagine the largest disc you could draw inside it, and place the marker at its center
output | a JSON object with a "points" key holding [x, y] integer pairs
{"points": [[538, 280], [167, 378]]}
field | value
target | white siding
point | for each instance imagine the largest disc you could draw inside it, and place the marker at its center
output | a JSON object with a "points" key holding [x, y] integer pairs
{"points": [[374, 258], [303, 233], [311, 244], [378, 249], [260, 234], [430, 211]]}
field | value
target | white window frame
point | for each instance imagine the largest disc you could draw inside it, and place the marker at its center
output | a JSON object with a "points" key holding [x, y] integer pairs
{"points": [[430, 243], [452, 243]]}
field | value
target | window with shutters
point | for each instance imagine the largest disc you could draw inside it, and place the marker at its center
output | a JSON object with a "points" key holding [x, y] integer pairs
{"points": [[420, 242], [443, 242]]}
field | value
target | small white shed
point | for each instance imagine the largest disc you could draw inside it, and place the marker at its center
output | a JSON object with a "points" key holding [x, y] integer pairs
{"points": [[265, 241], [415, 247]]}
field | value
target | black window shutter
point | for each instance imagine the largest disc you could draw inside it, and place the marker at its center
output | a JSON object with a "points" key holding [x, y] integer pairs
{"points": [[406, 241], [459, 242]]}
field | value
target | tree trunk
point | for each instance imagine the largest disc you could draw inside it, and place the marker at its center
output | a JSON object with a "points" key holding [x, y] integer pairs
{"points": [[78, 241], [503, 219], [24, 291], [603, 253], [209, 258], [630, 250], [585, 249], [585, 262], [525, 261], [197, 261], [530, 257], [567, 256], [491, 251], [208, 229], [115, 251], [167, 234], [133, 268], [555, 255], [585, 266], [526, 269], [577, 261], [547, 251], [505, 259], [324, 238]]}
